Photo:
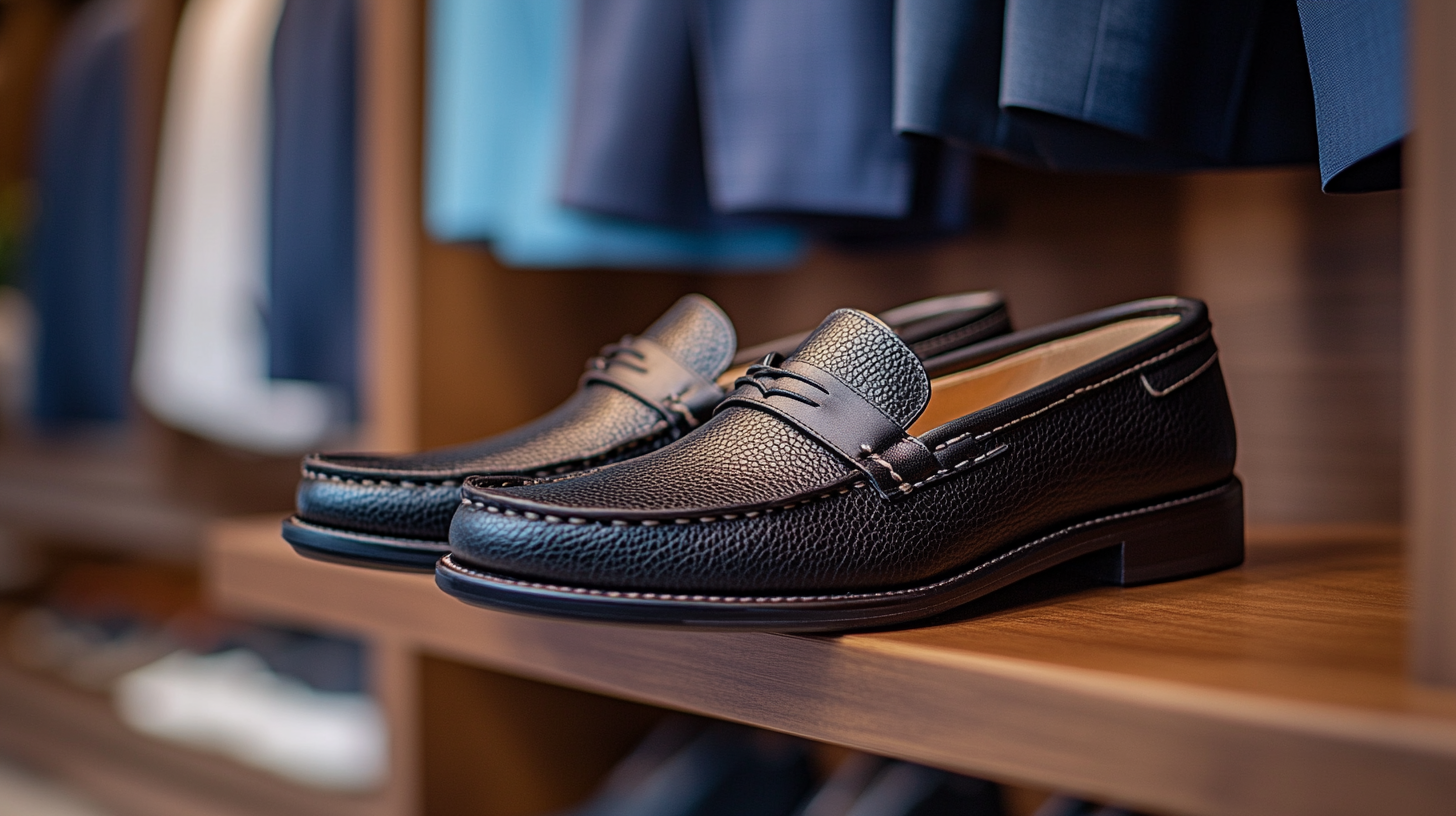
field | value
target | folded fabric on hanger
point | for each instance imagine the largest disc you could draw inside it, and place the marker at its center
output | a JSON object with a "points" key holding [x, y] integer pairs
{"points": [[77, 271], [797, 100], [1358, 64], [312, 262], [708, 111], [496, 120], [1108, 85], [1130, 85], [635, 142], [948, 76], [202, 345]]}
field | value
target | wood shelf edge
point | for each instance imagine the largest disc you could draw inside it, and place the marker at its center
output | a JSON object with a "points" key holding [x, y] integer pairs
{"points": [[1145, 741]]}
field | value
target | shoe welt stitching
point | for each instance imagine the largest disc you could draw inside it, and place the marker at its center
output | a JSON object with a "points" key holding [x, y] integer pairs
{"points": [[653, 434], [772, 599]]}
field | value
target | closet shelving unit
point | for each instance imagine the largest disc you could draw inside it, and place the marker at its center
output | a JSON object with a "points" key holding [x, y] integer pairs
{"points": [[75, 735], [1318, 679]]}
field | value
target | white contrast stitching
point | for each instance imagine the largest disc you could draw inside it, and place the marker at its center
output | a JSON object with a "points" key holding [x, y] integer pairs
{"points": [[656, 596], [1207, 364], [870, 454], [944, 472], [653, 436], [475, 504], [1144, 364], [1115, 377]]}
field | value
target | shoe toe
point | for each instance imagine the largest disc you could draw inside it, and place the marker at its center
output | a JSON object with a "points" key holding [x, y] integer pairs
{"points": [[379, 506]]}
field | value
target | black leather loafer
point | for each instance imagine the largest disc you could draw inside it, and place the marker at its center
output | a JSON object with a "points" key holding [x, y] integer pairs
{"points": [[394, 512], [844, 488]]}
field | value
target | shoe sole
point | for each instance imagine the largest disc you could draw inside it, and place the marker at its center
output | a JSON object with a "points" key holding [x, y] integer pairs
{"points": [[353, 549], [1163, 541]]}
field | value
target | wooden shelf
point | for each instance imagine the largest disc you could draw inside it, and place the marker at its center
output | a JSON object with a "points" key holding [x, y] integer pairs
{"points": [[74, 735], [1276, 688], [96, 492], [142, 490]]}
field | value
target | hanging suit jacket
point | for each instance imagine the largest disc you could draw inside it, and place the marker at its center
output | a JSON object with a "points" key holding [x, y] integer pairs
{"points": [[77, 255], [1108, 85], [312, 257], [1357, 61]]}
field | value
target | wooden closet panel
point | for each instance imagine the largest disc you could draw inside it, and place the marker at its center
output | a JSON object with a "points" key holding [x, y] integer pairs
{"points": [[1305, 293], [499, 346]]}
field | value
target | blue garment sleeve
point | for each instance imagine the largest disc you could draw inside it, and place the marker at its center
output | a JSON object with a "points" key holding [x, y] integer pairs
{"points": [[497, 115], [634, 144], [312, 259], [1357, 61], [948, 76], [77, 271], [798, 108], [1129, 84]]}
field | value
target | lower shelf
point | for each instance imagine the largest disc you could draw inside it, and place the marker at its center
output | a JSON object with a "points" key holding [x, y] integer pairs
{"points": [[1273, 688], [75, 736]]}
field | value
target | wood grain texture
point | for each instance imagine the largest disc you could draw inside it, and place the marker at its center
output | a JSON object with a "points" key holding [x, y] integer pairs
{"points": [[1305, 294], [1276, 688], [391, 95], [1430, 172], [498, 745]]}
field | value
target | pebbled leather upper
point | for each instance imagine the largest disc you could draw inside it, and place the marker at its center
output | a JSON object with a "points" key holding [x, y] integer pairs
{"points": [[750, 505], [413, 496]]}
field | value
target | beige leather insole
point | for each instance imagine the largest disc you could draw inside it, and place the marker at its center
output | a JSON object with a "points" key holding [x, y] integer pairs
{"points": [[725, 380], [955, 395]]}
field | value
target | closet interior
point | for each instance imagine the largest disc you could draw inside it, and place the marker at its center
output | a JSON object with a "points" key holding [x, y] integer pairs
{"points": [[1316, 679]]}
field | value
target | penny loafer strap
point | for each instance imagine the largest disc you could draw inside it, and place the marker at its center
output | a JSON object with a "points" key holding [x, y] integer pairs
{"points": [[825, 408], [647, 371]]}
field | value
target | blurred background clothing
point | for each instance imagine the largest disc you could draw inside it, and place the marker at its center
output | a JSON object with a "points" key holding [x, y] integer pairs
{"points": [[1130, 85], [202, 348], [647, 134], [497, 113], [716, 112], [313, 290], [76, 266]]}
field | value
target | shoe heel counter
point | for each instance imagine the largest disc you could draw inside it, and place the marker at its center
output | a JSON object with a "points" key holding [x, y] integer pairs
{"points": [[1193, 383]]}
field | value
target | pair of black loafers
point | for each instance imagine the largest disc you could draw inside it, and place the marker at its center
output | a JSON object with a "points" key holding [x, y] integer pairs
{"points": [[886, 469]]}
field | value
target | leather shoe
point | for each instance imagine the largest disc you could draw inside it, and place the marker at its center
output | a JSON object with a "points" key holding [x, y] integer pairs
{"points": [[394, 512], [845, 488]]}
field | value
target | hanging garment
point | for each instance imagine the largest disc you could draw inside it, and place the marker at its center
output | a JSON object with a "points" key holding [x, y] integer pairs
{"points": [[201, 360], [785, 107], [1138, 84], [1357, 60], [948, 76], [635, 142], [312, 263], [798, 112], [76, 264], [497, 113], [1133, 85]]}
